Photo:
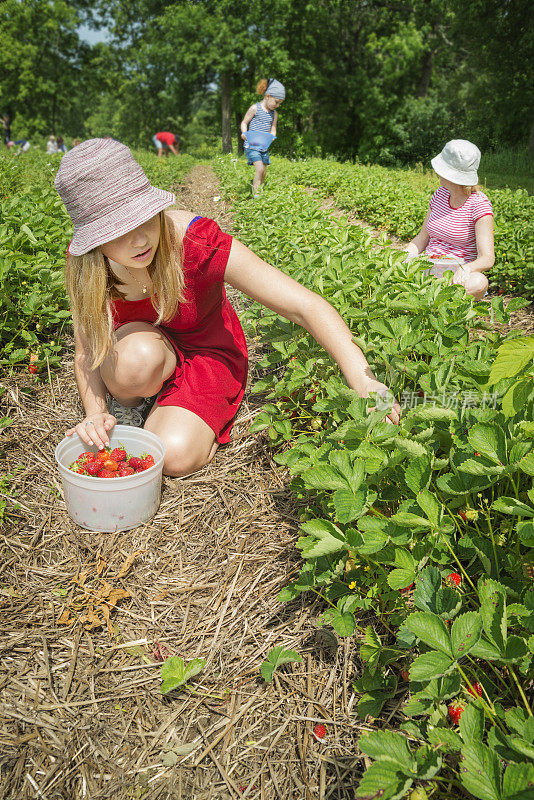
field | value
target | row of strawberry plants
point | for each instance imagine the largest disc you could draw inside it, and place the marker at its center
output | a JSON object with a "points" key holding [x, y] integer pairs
{"points": [[34, 235], [429, 524], [387, 199]]}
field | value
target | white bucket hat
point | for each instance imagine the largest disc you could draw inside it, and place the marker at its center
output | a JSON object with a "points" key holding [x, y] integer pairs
{"points": [[458, 162]]}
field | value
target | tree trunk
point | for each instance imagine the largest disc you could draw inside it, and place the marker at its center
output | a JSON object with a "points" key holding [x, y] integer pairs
{"points": [[426, 74], [226, 112], [240, 142]]}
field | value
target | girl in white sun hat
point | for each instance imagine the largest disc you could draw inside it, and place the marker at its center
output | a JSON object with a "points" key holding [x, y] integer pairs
{"points": [[457, 233], [151, 317]]}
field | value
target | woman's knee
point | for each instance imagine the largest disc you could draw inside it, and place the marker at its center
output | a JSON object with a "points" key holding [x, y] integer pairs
{"points": [[184, 455], [478, 285], [138, 362]]}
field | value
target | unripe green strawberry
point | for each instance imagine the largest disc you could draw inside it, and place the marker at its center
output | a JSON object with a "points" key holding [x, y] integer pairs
{"points": [[419, 794]]}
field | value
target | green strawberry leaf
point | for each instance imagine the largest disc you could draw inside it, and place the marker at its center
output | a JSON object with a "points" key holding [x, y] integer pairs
{"points": [[518, 782], [480, 772], [349, 504], [430, 665], [431, 630], [417, 475], [429, 762], [432, 508], [493, 611], [175, 672], [465, 633], [383, 780], [389, 746], [472, 724], [509, 505], [275, 658]]}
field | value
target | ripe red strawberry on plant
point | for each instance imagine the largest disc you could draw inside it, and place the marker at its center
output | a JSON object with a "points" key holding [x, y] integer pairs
{"points": [[32, 368], [455, 709], [319, 731], [475, 689], [462, 515], [118, 454], [407, 588], [454, 578], [405, 675]]}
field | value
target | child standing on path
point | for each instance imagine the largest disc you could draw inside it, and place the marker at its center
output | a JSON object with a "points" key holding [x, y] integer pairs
{"points": [[457, 233], [262, 116], [151, 316]]}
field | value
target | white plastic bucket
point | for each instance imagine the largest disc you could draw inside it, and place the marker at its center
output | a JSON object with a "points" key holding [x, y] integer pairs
{"points": [[112, 504], [441, 265]]}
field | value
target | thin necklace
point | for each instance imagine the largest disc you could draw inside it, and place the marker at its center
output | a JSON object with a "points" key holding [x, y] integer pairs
{"points": [[144, 286]]}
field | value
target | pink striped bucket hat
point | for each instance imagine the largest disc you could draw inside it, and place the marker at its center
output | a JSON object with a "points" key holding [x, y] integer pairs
{"points": [[106, 193]]}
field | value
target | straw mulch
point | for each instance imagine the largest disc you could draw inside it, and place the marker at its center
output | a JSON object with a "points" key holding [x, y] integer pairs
{"points": [[87, 617]]}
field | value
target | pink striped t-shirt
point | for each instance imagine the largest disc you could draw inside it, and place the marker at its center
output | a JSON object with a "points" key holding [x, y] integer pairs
{"points": [[452, 230]]}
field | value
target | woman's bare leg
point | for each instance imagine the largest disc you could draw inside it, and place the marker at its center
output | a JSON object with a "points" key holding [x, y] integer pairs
{"points": [[190, 443], [477, 285], [138, 364]]}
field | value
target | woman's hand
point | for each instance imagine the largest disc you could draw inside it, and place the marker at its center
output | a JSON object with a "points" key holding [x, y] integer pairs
{"points": [[462, 276], [369, 385], [244, 137], [93, 429]]}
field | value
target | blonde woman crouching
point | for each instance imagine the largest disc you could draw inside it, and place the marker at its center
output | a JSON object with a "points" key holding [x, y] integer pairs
{"points": [[151, 316], [457, 233]]}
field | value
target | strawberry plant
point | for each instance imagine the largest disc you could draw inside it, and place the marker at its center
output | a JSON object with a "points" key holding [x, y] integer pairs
{"points": [[34, 234], [175, 672], [387, 200], [428, 524]]}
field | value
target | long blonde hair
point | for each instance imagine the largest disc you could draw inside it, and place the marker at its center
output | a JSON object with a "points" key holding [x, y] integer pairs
{"points": [[91, 286], [469, 190]]}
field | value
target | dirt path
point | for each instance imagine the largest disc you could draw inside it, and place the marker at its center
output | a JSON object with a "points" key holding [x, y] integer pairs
{"points": [[85, 616]]}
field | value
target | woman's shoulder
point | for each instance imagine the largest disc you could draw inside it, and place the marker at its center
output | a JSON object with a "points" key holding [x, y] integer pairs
{"points": [[480, 197], [440, 195], [180, 220]]}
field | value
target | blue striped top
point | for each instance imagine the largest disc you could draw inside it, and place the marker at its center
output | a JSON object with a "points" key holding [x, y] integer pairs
{"points": [[262, 120]]}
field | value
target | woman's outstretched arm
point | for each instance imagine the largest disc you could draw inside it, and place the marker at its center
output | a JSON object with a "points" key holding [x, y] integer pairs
{"points": [[262, 282], [419, 242]]}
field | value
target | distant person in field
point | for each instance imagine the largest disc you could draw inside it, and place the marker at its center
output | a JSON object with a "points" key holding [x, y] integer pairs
{"points": [[6, 124], [22, 146], [152, 324], [76, 142], [51, 145], [457, 233], [262, 116], [166, 141], [61, 146]]}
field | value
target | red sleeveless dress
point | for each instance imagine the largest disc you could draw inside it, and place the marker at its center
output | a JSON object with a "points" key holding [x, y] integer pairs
{"points": [[211, 351]]}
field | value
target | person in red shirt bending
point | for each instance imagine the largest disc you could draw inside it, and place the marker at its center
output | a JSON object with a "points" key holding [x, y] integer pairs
{"points": [[165, 141]]}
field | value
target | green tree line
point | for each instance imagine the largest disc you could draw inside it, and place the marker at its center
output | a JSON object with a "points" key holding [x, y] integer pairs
{"points": [[383, 80]]}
